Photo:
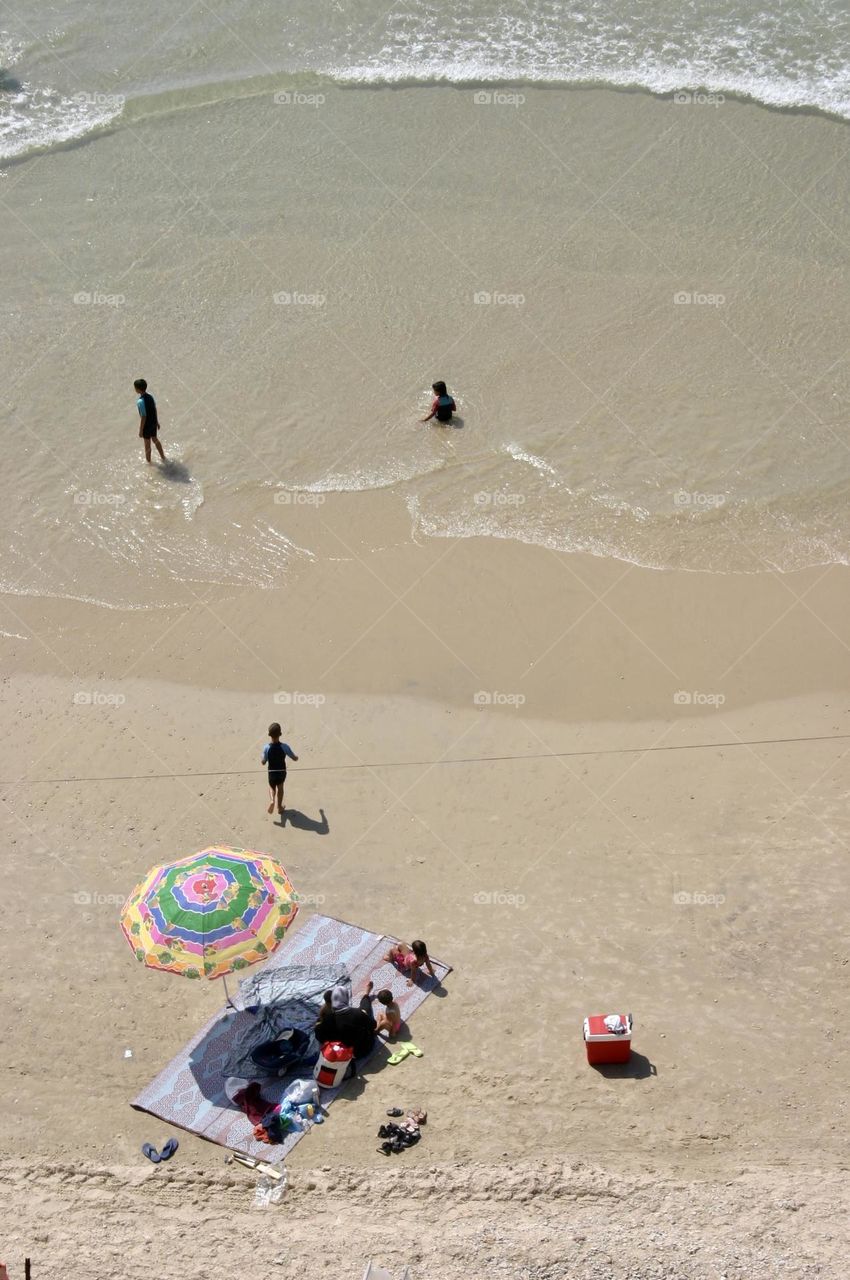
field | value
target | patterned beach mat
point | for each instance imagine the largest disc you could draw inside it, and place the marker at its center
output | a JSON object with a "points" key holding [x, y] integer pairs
{"points": [[190, 1093]]}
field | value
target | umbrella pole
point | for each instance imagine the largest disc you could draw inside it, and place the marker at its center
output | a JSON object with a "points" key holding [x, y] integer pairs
{"points": [[226, 992]]}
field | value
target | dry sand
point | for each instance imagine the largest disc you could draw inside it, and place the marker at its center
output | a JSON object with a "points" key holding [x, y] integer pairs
{"points": [[683, 861]]}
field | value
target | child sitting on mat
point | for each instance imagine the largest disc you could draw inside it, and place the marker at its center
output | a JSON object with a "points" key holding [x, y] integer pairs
{"points": [[410, 959], [390, 1019]]}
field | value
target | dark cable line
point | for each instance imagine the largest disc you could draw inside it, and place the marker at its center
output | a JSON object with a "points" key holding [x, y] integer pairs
{"points": [[411, 764]]}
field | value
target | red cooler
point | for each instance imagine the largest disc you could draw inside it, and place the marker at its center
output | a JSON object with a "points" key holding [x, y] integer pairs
{"points": [[608, 1037], [332, 1065]]}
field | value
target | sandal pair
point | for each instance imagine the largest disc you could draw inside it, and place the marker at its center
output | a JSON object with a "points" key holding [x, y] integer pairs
{"points": [[403, 1050], [155, 1157]]}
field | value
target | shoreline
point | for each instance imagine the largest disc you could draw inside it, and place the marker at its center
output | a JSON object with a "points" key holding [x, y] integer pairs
{"points": [[198, 97], [736, 636]]}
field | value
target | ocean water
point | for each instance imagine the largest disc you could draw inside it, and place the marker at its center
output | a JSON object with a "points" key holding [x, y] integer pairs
{"points": [[70, 67], [639, 303]]}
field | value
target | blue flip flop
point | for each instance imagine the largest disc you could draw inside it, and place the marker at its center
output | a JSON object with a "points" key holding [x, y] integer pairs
{"points": [[168, 1150], [149, 1150]]}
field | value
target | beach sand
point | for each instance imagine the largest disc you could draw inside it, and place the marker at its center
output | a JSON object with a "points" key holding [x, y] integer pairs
{"points": [[597, 846], [590, 786]]}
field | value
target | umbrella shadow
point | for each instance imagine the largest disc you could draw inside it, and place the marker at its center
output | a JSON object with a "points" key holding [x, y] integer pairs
{"points": [[221, 1061]]}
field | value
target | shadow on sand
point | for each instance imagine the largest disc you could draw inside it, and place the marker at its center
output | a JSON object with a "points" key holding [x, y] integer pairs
{"points": [[638, 1067], [295, 818]]}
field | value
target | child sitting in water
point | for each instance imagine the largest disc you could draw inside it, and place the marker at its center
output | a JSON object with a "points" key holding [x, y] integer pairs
{"points": [[390, 1019], [442, 406], [410, 959]]}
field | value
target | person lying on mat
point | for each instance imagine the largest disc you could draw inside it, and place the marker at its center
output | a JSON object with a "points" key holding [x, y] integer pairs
{"points": [[410, 959], [353, 1027]]}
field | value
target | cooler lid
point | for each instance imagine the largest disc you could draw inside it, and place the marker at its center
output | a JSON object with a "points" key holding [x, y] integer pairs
{"points": [[608, 1026], [333, 1051]]}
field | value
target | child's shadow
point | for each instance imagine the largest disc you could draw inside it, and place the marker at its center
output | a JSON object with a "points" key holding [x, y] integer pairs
{"points": [[319, 826], [403, 1033], [176, 471]]}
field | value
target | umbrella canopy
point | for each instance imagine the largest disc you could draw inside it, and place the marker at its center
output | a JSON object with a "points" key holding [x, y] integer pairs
{"points": [[206, 916]]}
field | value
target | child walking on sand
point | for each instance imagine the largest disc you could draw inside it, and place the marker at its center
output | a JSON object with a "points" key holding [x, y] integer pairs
{"points": [[410, 959], [274, 756]]}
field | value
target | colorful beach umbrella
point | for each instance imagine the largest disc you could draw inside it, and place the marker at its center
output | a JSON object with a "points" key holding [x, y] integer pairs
{"points": [[218, 911]]}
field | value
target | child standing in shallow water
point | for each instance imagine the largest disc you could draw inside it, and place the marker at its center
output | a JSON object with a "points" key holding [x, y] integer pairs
{"points": [[275, 756], [148, 419], [410, 959]]}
